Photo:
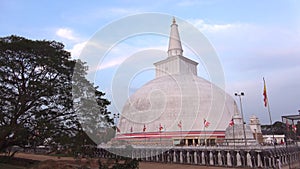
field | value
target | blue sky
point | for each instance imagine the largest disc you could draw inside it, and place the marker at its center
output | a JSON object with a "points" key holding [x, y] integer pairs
{"points": [[253, 39]]}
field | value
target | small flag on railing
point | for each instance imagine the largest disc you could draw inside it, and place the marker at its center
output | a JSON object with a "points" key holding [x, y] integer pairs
{"points": [[160, 127], [294, 128], [206, 123], [179, 124], [231, 123]]}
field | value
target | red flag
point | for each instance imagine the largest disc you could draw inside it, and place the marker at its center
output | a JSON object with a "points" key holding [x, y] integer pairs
{"points": [[265, 94], [294, 128], [131, 129], [231, 123], [160, 127], [179, 124], [206, 123], [144, 129], [118, 130]]}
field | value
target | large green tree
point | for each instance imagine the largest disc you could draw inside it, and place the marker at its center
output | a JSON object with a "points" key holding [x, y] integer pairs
{"points": [[44, 95], [90, 108]]}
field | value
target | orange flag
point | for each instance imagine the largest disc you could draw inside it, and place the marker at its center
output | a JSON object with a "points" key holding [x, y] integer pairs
{"points": [[265, 94]]}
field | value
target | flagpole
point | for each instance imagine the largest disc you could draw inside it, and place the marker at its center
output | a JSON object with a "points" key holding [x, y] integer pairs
{"points": [[181, 134], [233, 134], [160, 134], [293, 129], [268, 106], [160, 138], [144, 129], [233, 138], [204, 133], [287, 126], [160, 128], [271, 123], [180, 126], [165, 132], [205, 137]]}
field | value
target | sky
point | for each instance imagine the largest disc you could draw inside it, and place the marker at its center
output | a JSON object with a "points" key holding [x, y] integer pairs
{"points": [[253, 39]]}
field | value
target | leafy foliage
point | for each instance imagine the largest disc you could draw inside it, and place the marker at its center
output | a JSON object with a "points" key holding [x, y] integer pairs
{"points": [[44, 95], [277, 128], [281, 128], [124, 163], [90, 107]]}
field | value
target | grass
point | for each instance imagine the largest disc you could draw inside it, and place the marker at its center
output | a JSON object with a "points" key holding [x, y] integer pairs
{"points": [[7, 162], [9, 166], [61, 155]]}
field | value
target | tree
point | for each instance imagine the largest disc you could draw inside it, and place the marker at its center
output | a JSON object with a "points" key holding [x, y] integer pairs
{"points": [[38, 94], [277, 128], [91, 107]]}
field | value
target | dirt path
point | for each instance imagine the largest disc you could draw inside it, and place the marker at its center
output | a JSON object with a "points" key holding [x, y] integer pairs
{"points": [[42, 157], [150, 165], [143, 165]]}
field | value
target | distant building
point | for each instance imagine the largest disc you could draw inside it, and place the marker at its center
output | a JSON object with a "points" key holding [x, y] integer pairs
{"points": [[239, 133], [255, 127], [268, 139]]}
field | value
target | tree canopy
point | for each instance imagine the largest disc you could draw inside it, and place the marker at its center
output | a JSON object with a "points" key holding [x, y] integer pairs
{"points": [[44, 95], [281, 128]]}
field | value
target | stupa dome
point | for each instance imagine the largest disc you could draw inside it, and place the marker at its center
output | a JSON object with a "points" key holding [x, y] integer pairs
{"points": [[167, 100], [177, 102]]}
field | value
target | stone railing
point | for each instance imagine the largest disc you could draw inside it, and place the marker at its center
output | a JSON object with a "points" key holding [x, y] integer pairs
{"points": [[260, 156]]}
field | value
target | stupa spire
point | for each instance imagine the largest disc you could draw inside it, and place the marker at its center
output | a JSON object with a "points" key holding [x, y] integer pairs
{"points": [[175, 48]]}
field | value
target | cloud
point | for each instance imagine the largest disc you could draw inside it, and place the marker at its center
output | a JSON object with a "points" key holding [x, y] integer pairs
{"points": [[125, 49], [93, 16], [189, 3], [250, 51], [112, 56], [122, 11], [76, 49], [245, 47], [206, 27], [111, 63], [116, 57], [73, 42], [66, 33]]}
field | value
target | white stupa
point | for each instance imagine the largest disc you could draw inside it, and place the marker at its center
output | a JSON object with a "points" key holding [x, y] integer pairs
{"points": [[176, 95], [238, 134]]}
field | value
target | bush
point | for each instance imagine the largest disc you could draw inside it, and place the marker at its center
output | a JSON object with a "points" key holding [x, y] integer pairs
{"points": [[128, 163]]}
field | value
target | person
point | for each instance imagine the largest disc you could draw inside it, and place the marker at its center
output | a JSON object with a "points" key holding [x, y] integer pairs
{"points": [[281, 142]]}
